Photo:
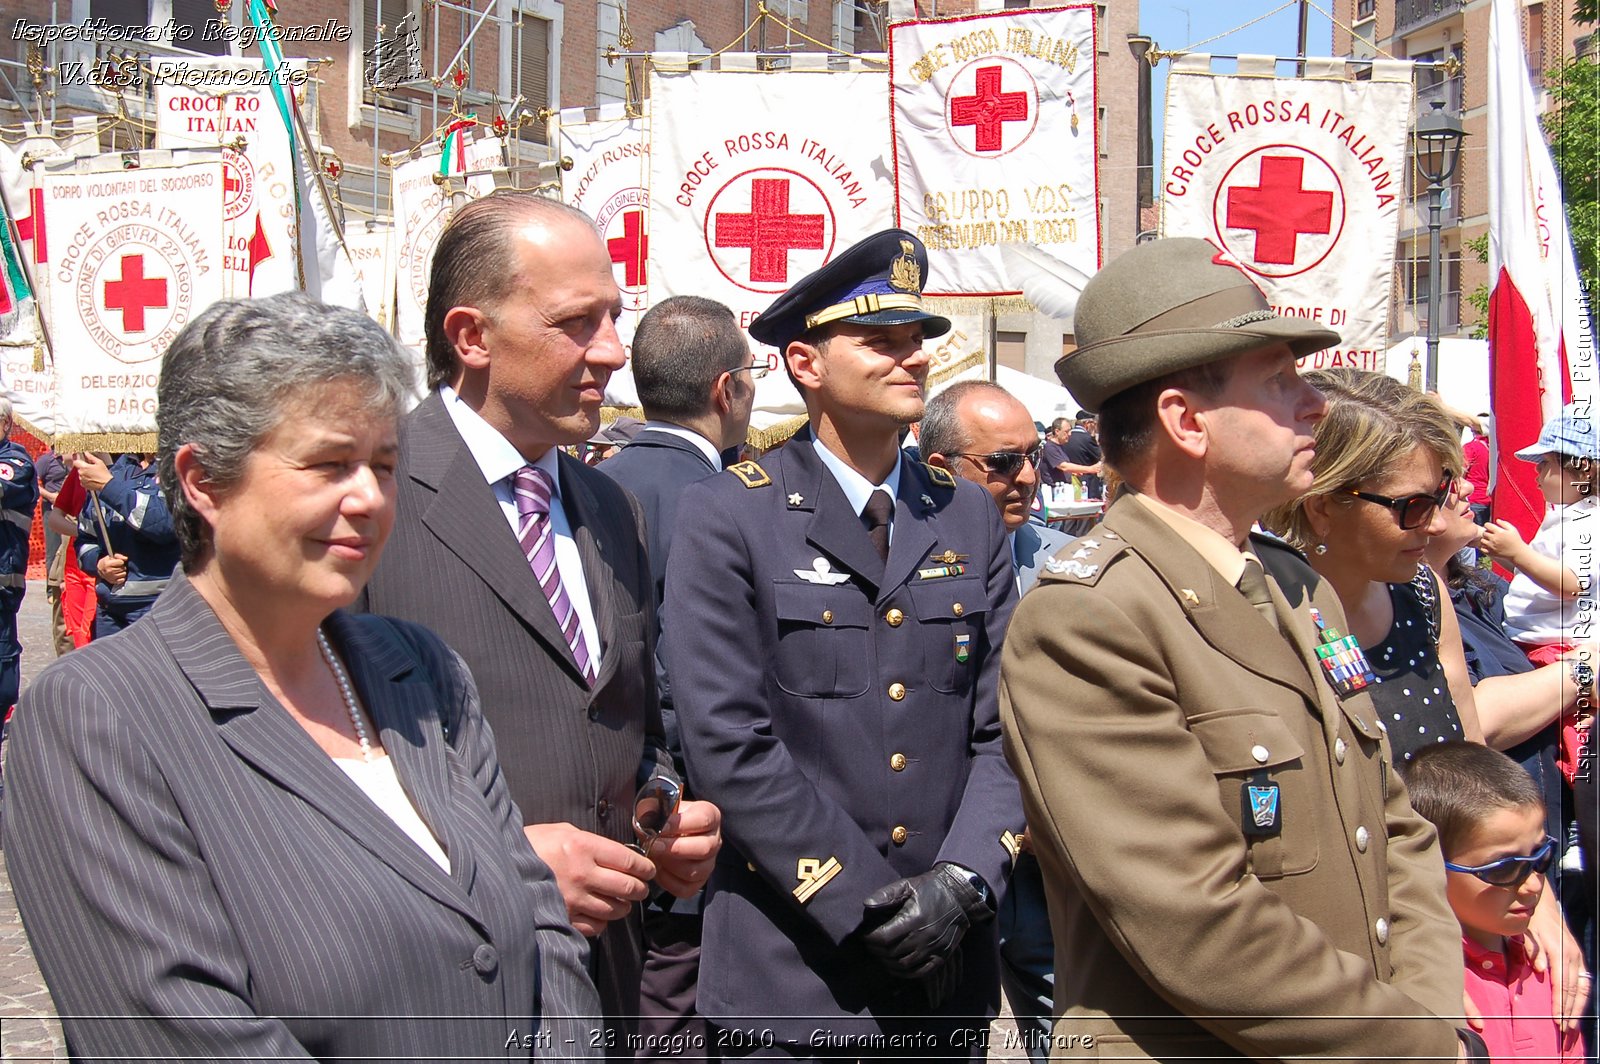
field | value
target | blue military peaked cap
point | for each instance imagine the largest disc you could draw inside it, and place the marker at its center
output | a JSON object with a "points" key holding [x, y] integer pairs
{"points": [[875, 282]]}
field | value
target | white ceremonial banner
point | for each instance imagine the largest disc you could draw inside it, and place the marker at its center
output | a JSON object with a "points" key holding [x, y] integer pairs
{"points": [[995, 142], [420, 213], [1300, 182], [757, 179], [135, 255], [372, 252], [213, 102], [609, 181], [32, 391]]}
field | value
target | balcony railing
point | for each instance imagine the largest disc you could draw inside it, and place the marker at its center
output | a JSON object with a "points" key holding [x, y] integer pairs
{"points": [[1411, 15]]}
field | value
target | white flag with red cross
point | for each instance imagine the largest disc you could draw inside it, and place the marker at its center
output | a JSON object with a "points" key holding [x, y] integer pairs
{"points": [[218, 102], [756, 180], [1300, 180], [609, 181], [995, 142], [421, 210], [135, 255]]}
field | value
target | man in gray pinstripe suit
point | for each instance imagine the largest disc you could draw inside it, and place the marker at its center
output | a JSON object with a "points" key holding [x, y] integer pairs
{"points": [[521, 341]]}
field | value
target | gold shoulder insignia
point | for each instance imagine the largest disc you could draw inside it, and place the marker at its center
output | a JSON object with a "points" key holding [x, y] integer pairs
{"points": [[814, 875], [939, 476], [752, 475], [1012, 843]]}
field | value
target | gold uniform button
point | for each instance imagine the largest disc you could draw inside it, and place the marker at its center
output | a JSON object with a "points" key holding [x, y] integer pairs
{"points": [[898, 762], [894, 617], [900, 835], [897, 691], [958, 609], [827, 616]]}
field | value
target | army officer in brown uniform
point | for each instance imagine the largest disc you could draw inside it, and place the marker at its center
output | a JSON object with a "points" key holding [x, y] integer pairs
{"points": [[1232, 866]]}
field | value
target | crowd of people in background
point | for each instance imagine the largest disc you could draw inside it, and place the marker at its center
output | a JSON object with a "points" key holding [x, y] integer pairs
{"points": [[477, 728]]}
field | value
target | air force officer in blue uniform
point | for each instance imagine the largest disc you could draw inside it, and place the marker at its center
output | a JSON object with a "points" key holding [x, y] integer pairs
{"points": [[833, 619]]}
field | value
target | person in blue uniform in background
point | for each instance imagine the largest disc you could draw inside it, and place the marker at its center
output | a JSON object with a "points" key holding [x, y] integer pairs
{"points": [[138, 563], [832, 621], [19, 491]]}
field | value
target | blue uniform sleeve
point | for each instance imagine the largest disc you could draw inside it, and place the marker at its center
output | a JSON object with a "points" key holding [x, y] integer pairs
{"points": [[87, 542], [20, 491], [141, 504]]}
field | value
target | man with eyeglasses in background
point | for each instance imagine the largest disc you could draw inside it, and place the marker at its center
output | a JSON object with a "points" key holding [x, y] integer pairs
{"points": [[833, 621], [981, 432], [696, 383], [1232, 866]]}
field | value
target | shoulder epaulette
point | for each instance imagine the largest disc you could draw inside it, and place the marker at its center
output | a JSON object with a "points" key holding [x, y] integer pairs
{"points": [[941, 477], [750, 474], [1085, 560]]}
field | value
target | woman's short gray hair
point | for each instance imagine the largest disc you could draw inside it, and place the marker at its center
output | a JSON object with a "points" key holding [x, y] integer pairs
{"points": [[230, 375]]}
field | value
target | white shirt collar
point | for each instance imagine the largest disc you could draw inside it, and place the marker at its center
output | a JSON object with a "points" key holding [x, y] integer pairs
{"points": [[701, 443], [495, 455], [857, 488]]}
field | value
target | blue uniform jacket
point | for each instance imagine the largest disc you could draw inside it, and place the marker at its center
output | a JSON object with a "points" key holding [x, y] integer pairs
{"points": [[19, 491], [140, 525], [842, 712]]}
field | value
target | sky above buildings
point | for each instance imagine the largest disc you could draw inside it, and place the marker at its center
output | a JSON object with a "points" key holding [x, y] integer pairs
{"points": [[1177, 26]]}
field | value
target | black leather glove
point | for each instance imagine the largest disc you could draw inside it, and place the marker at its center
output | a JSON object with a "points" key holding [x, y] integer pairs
{"points": [[927, 915], [939, 984]]}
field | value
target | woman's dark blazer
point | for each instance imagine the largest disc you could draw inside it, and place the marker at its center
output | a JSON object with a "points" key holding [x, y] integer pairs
{"points": [[199, 879]]}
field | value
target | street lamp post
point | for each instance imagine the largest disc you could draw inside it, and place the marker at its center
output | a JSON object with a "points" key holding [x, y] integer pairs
{"points": [[1438, 151]]}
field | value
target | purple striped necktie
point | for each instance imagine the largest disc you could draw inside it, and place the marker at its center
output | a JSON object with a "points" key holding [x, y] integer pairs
{"points": [[531, 488]]}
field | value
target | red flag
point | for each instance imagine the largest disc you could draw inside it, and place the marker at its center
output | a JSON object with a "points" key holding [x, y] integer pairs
{"points": [[1540, 357], [259, 251]]}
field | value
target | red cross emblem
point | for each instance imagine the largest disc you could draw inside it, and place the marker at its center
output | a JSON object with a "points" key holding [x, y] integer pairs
{"points": [[32, 227], [988, 109], [770, 231], [134, 293], [1279, 210], [631, 249], [1000, 117], [231, 184]]}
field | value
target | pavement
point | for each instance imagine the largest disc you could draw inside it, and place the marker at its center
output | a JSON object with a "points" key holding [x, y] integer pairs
{"points": [[29, 1030]]}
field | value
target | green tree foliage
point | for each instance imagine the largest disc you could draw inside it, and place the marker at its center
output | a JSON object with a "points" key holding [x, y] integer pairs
{"points": [[1479, 297]]}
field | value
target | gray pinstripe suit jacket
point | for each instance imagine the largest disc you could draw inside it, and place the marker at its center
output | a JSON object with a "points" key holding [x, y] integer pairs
{"points": [[199, 879], [571, 753]]}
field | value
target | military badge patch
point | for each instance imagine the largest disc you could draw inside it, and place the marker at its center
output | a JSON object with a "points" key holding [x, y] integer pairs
{"points": [[752, 475], [813, 876], [963, 647], [1262, 812]]}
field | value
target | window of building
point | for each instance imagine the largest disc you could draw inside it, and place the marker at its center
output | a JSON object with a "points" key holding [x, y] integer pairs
{"points": [[1366, 9], [1011, 349]]}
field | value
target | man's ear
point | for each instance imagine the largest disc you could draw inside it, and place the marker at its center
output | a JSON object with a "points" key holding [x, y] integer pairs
{"points": [[722, 392], [1178, 416], [196, 484], [464, 331], [803, 360], [938, 460]]}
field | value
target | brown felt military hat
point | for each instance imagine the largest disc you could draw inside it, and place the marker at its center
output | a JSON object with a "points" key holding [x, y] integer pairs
{"points": [[1170, 305]]}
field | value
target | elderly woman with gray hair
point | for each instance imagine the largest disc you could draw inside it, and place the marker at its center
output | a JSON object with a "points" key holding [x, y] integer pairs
{"points": [[253, 825]]}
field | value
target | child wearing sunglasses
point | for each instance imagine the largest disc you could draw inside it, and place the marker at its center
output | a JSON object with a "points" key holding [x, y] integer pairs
{"points": [[1549, 605], [1491, 827]]}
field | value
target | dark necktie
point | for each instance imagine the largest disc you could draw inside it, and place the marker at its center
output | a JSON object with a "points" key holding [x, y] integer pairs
{"points": [[880, 508], [1253, 586]]}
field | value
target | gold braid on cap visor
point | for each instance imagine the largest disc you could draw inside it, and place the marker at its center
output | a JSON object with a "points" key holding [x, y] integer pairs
{"points": [[867, 304]]}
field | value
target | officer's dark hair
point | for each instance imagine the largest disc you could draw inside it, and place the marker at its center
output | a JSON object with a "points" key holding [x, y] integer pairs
{"points": [[239, 368], [941, 431], [1455, 785], [475, 264], [682, 345], [1060, 423], [1128, 419]]}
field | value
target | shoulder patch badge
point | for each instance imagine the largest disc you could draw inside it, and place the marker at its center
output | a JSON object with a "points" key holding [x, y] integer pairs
{"points": [[941, 477], [750, 474], [814, 875]]}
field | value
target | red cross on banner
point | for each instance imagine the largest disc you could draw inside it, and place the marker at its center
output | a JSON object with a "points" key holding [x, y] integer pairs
{"points": [[230, 183], [32, 227], [769, 230], [134, 293], [1280, 209], [988, 109], [631, 249]]}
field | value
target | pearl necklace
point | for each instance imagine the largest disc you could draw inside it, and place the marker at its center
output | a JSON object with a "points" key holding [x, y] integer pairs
{"points": [[348, 694]]}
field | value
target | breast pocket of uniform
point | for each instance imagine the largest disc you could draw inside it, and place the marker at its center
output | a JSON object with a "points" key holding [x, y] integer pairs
{"points": [[1264, 787], [950, 612], [822, 640]]}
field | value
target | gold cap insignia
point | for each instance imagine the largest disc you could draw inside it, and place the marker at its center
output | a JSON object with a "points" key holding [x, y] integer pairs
{"points": [[904, 273], [814, 875]]}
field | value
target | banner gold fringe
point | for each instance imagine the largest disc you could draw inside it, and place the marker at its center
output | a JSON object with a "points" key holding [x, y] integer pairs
{"points": [[947, 305], [608, 414], [758, 438], [134, 442]]}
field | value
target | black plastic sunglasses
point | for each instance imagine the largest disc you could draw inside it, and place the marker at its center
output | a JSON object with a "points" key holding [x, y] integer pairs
{"points": [[1413, 511]]}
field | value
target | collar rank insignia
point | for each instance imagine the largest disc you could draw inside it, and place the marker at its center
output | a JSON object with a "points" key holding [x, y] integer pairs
{"points": [[1082, 552], [1089, 544], [813, 876], [750, 474], [926, 500], [1190, 597], [795, 498], [904, 273], [1071, 568], [939, 476], [821, 573]]}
